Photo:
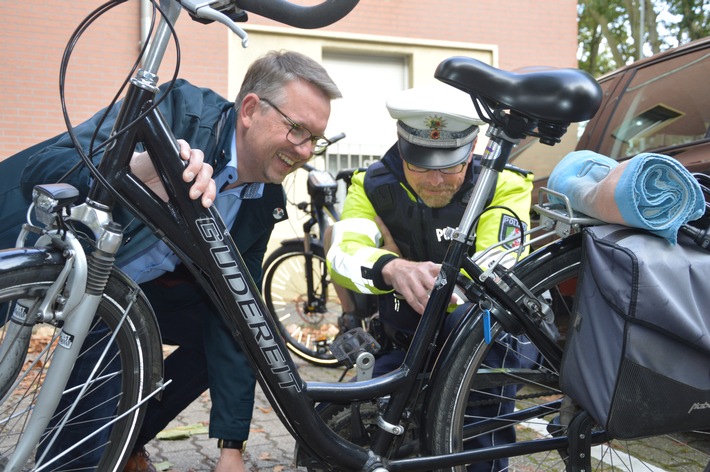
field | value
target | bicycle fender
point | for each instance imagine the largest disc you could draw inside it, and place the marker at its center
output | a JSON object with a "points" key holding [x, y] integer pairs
{"points": [[466, 325], [288, 242], [296, 245], [150, 325], [17, 258], [299, 242], [456, 341]]}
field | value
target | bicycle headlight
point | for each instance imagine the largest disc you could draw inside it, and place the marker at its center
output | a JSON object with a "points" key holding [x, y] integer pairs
{"points": [[322, 187], [49, 199]]}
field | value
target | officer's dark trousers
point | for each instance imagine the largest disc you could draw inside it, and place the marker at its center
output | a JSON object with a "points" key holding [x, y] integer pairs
{"points": [[508, 352]]}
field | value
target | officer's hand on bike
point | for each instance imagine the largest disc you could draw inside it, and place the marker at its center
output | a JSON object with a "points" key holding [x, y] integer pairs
{"points": [[414, 281], [196, 171]]}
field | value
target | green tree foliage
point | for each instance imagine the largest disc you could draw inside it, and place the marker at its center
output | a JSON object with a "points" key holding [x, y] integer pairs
{"points": [[693, 20], [613, 33]]}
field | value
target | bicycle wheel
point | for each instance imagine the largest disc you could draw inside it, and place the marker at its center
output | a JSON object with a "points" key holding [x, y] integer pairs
{"points": [[308, 328], [475, 389], [123, 378]]}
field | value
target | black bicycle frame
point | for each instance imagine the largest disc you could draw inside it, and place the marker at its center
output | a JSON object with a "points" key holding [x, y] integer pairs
{"points": [[203, 243]]}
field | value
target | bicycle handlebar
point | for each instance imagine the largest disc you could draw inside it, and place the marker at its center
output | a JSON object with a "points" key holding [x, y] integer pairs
{"points": [[336, 138], [283, 11], [306, 17]]}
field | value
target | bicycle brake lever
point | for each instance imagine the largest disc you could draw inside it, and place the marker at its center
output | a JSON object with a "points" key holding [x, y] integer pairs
{"points": [[204, 10]]}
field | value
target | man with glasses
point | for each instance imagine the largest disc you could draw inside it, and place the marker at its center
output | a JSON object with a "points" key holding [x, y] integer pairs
{"points": [[274, 127], [391, 239]]}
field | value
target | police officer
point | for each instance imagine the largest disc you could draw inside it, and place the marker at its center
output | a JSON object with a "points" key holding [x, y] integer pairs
{"points": [[391, 240]]}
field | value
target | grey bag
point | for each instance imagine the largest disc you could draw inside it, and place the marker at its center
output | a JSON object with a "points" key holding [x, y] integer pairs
{"points": [[638, 352]]}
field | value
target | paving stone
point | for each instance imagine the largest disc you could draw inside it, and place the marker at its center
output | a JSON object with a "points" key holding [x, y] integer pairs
{"points": [[270, 446]]}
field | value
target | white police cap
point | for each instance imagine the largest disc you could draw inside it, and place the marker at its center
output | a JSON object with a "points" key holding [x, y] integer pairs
{"points": [[436, 125]]}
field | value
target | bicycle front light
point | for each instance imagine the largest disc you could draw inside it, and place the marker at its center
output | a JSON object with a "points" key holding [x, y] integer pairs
{"points": [[50, 199]]}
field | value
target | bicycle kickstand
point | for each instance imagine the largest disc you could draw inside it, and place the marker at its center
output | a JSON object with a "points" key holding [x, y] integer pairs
{"points": [[580, 443]]}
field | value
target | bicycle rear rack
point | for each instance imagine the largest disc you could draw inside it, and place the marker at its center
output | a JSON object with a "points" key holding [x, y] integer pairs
{"points": [[561, 217]]}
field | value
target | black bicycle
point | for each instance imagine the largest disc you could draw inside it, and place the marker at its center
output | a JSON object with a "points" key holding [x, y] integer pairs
{"points": [[424, 415], [297, 288]]}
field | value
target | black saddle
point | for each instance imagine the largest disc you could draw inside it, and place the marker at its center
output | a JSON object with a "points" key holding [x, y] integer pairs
{"points": [[543, 94]]}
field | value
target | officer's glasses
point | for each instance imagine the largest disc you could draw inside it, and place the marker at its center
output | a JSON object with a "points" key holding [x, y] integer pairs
{"points": [[457, 169], [299, 135]]}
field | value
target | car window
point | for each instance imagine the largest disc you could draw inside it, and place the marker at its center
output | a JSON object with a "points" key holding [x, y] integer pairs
{"points": [[665, 104], [532, 155]]}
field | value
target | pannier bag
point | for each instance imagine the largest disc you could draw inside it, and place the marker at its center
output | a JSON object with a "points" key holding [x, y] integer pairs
{"points": [[638, 352]]}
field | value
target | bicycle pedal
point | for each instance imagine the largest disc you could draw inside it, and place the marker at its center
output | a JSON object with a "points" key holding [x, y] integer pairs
{"points": [[348, 346]]}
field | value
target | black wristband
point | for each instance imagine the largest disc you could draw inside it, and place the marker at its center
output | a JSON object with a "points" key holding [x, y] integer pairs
{"points": [[377, 280], [230, 444]]}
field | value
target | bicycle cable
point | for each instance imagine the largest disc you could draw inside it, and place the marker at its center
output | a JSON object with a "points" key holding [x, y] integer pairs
{"points": [[73, 41], [521, 246], [78, 32]]}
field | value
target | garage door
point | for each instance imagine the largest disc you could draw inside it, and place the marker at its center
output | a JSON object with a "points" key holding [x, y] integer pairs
{"points": [[365, 81]]}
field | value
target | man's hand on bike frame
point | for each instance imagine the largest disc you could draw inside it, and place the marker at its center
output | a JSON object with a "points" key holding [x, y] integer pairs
{"points": [[196, 171]]}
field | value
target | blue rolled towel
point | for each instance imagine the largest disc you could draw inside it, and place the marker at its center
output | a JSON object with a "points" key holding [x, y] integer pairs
{"points": [[649, 191]]}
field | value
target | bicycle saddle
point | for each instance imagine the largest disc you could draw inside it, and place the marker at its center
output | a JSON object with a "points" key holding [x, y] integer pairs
{"points": [[544, 94]]}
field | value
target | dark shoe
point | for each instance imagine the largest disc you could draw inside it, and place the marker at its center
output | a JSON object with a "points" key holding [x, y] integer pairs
{"points": [[139, 462]]}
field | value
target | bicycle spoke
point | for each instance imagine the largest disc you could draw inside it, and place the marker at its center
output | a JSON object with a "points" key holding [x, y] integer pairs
{"points": [[100, 395]]}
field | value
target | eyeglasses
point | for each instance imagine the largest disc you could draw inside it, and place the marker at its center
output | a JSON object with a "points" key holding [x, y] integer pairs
{"points": [[299, 134], [457, 169]]}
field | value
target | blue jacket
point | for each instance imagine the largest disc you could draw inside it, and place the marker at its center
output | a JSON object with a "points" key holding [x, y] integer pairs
{"points": [[199, 116]]}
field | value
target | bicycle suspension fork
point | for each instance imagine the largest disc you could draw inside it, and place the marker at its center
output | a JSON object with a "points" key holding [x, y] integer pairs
{"points": [[81, 275], [312, 303], [315, 303]]}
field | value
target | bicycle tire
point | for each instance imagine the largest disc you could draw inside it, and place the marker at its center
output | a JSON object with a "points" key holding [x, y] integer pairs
{"points": [[308, 332], [132, 356], [449, 397]]}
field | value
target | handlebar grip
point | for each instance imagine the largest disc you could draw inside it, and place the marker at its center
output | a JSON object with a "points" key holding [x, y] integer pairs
{"points": [[336, 138], [306, 17]]}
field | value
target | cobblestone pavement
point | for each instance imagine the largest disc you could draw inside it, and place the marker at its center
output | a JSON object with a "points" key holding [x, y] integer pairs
{"points": [[270, 446]]}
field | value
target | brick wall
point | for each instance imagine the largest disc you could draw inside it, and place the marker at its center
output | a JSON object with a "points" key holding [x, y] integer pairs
{"points": [[31, 48], [528, 33]]}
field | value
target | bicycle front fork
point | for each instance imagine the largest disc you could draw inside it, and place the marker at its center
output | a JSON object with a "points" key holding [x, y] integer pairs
{"points": [[73, 298]]}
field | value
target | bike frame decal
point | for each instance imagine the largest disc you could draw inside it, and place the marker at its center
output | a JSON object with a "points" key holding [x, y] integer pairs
{"points": [[238, 286], [66, 340]]}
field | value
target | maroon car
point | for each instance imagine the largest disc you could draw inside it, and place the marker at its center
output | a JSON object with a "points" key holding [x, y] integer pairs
{"points": [[659, 104]]}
